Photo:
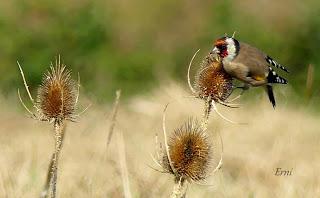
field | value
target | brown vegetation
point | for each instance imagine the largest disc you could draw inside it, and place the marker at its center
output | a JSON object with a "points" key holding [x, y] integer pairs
{"points": [[287, 137]]}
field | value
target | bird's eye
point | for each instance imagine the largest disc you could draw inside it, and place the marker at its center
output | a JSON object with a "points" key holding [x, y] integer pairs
{"points": [[222, 48]]}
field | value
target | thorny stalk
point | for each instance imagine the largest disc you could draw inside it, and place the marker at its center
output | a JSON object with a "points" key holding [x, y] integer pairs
{"points": [[310, 81], [123, 165], [51, 166], [207, 110], [114, 115], [46, 187], [58, 128], [179, 189]]}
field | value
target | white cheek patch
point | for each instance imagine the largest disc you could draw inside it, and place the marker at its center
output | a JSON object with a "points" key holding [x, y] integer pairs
{"points": [[231, 48]]}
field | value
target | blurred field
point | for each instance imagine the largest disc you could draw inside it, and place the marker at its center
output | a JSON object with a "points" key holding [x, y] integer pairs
{"points": [[134, 44], [287, 137], [143, 47]]}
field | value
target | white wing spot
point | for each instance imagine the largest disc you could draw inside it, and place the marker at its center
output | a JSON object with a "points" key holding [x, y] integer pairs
{"points": [[274, 63]]}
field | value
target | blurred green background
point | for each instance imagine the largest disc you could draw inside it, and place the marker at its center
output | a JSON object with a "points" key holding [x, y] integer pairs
{"points": [[135, 45]]}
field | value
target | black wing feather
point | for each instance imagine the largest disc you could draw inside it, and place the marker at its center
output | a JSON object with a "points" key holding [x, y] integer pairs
{"points": [[275, 64]]}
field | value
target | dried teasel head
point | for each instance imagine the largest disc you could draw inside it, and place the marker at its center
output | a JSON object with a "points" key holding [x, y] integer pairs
{"points": [[57, 95], [214, 85], [191, 153], [212, 80]]}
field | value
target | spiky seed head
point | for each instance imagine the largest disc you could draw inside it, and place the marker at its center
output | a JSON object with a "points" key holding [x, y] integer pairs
{"points": [[57, 93], [212, 80], [190, 151]]}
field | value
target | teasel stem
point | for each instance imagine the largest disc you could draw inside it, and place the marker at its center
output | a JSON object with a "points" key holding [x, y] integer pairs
{"points": [[59, 131], [114, 116], [45, 190], [123, 165], [309, 82], [50, 174], [207, 110], [179, 188]]}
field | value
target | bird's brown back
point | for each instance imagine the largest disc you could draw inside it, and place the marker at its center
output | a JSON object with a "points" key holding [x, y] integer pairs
{"points": [[253, 58]]}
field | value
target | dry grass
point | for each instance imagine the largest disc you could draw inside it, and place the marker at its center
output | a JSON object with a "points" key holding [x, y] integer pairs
{"points": [[286, 137]]}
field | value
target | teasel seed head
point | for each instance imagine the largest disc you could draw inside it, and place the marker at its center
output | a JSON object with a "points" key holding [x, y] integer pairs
{"points": [[57, 95], [190, 151], [212, 80]]}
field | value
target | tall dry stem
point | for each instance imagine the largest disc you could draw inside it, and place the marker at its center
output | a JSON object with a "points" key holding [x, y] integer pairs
{"points": [[179, 189], [207, 110], [59, 133], [53, 165], [114, 116], [310, 81], [123, 165]]}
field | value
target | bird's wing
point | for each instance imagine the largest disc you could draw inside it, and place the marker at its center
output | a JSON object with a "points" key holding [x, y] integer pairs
{"points": [[254, 59], [275, 64]]}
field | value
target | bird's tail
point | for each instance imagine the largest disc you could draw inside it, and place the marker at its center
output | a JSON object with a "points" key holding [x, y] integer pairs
{"points": [[270, 95]]}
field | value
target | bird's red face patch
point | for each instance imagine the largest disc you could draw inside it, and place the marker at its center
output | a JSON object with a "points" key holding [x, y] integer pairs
{"points": [[221, 44], [220, 41]]}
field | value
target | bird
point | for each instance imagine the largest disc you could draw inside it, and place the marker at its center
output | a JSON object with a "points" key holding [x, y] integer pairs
{"points": [[248, 64]]}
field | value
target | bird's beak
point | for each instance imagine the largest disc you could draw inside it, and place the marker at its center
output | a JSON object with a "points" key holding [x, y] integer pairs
{"points": [[215, 51]]}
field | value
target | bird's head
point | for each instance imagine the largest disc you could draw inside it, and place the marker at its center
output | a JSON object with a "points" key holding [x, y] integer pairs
{"points": [[226, 47]]}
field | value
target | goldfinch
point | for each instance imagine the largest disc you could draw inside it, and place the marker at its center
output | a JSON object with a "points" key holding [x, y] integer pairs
{"points": [[248, 64]]}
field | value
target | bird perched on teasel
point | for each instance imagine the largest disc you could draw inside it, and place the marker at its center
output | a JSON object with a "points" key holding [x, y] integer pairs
{"points": [[248, 64]]}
